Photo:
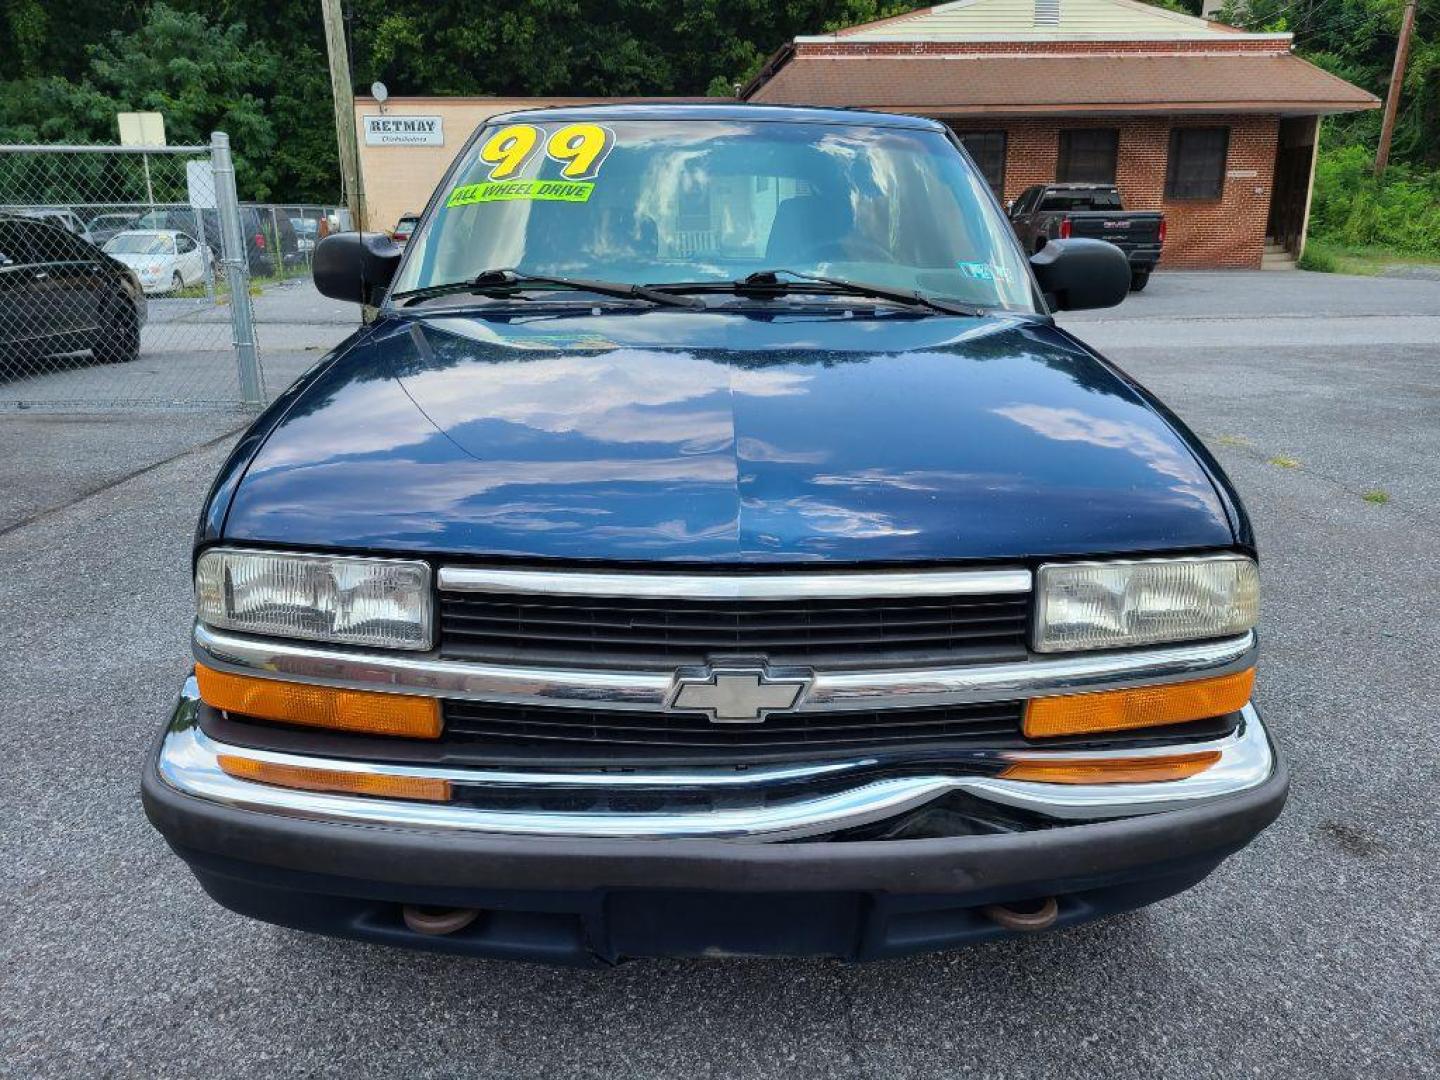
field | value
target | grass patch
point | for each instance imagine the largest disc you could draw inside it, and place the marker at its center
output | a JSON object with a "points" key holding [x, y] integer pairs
{"points": [[258, 284], [1232, 440], [1324, 257], [1377, 496], [1318, 259], [1285, 462]]}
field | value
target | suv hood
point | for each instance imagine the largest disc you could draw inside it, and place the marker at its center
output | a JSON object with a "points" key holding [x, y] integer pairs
{"points": [[671, 435]]}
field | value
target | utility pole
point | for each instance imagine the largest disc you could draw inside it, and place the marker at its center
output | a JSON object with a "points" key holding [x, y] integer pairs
{"points": [[1397, 80], [352, 190]]}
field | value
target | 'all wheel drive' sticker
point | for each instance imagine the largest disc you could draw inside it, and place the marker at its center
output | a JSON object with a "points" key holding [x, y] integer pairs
{"points": [[503, 190]]}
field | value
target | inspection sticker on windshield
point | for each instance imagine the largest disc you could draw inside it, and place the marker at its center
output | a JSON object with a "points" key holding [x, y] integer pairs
{"points": [[537, 190], [984, 271]]}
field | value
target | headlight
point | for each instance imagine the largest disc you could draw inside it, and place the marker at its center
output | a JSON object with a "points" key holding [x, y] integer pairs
{"points": [[1112, 605], [379, 602]]}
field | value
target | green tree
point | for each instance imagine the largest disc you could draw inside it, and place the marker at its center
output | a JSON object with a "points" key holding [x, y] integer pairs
{"points": [[258, 70], [203, 77]]}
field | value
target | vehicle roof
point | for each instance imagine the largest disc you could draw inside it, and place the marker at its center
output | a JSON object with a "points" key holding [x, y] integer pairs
{"points": [[150, 232], [31, 219], [724, 110], [1081, 187]]}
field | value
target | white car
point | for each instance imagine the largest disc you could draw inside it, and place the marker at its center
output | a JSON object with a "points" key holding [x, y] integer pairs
{"points": [[164, 261]]}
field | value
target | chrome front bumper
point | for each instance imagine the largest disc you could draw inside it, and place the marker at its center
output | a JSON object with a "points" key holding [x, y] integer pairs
{"points": [[188, 763], [610, 688], [739, 803]]}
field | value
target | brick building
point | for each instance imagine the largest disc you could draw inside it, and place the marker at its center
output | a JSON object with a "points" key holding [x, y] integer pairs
{"points": [[1215, 126]]}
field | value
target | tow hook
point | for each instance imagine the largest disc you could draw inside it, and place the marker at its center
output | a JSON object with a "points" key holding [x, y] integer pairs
{"points": [[1041, 918], [437, 922]]}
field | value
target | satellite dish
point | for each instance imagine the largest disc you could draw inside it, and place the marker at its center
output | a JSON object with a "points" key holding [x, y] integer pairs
{"points": [[379, 92]]}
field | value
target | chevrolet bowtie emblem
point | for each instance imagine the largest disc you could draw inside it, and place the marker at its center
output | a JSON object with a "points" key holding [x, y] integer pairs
{"points": [[737, 695]]}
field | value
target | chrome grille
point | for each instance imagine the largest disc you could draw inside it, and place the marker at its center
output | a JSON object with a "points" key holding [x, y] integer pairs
{"points": [[803, 631], [667, 622]]}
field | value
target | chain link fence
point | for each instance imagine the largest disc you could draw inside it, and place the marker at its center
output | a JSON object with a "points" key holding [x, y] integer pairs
{"points": [[126, 276]]}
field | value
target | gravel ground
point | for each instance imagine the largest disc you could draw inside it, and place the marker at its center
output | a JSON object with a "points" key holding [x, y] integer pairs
{"points": [[1312, 953]]}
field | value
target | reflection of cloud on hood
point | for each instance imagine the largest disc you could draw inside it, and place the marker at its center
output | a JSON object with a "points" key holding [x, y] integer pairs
{"points": [[1165, 456], [625, 396], [413, 485], [376, 417], [835, 520], [916, 479], [666, 533], [753, 449], [767, 382]]}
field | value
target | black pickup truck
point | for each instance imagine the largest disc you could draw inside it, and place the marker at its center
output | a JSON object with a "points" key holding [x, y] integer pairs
{"points": [[1048, 212]]}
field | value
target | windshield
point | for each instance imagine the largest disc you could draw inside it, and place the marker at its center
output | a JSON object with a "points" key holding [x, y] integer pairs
{"points": [[140, 244], [651, 202]]}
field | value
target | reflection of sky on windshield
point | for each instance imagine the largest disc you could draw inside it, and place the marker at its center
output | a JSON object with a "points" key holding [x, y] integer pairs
{"points": [[695, 200]]}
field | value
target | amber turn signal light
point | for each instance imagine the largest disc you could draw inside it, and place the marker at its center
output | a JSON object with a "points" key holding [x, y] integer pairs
{"points": [[361, 711], [424, 788], [1138, 707], [1139, 770]]}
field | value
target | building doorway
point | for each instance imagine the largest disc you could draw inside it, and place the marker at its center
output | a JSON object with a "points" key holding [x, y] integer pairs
{"points": [[1290, 187]]}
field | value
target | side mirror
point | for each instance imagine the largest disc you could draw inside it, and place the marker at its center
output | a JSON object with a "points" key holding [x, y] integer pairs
{"points": [[1077, 274], [355, 266]]}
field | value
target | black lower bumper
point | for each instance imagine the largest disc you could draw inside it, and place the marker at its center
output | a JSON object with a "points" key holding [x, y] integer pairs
{"points": [[600, 901], [1143, 258]]}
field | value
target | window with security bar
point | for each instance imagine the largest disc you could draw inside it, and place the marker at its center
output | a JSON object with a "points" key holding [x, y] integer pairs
{"points": [[1088, 156], [1196, 167]]}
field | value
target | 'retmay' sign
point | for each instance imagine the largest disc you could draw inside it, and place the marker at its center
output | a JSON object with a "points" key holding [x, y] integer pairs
{"points": [[404, 131]]}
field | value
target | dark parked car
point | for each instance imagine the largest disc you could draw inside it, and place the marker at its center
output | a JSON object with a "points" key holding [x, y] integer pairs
{"points": [[714, 547], [1048, 212], [60, 294], [61, 218], [257, 231]]}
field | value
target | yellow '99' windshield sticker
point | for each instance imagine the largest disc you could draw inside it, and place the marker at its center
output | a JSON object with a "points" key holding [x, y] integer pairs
{"points": [[579, 149]]}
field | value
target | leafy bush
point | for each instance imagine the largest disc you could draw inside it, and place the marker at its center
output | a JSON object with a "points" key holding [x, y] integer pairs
{"points": [[1354, 209]]}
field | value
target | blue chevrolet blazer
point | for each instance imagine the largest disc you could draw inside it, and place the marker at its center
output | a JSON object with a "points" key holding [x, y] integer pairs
{"points": [[713, 546]]}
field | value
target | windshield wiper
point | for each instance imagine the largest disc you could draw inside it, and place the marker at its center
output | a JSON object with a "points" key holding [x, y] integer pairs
{"points": [[506, 283], [769, 283]]}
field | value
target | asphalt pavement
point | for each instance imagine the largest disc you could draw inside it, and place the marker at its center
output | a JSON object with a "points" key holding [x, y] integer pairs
{"points": [[1312, 953]]}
